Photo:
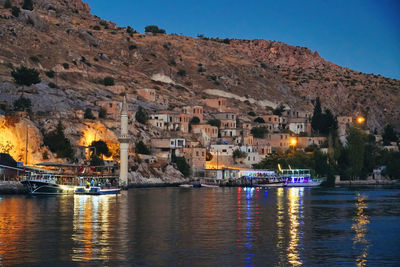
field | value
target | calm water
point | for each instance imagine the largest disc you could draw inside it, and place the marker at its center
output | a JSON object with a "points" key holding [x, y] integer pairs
{"points": [[205, 227]]}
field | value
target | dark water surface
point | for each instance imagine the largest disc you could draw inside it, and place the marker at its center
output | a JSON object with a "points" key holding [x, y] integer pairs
{"points": [[205, 227]]}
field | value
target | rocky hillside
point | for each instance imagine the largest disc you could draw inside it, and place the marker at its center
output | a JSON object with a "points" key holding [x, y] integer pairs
{"points": [[82, 49]]}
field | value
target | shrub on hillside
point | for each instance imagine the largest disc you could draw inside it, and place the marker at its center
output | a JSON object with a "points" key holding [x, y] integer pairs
{"points": [[15, 11], [141, 115], [259, 120], [141, 148], [88, 114], [25, 76], [50, 74], [66, 66], [181, 72], [108, 81], [259, 132], [22, 104], [154, 29], [183, 166], [102, 113], [58, 143]]}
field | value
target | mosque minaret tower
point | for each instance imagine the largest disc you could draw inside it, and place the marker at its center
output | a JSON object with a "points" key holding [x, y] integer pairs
{"points": [[124, 146]]}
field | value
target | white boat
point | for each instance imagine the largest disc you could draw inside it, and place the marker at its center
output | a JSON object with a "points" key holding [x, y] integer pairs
{"points": [[186, 185], [210, 183], [299, 178], [274, 181]]}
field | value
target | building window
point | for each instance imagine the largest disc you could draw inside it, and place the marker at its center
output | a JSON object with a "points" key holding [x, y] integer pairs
{"points": [[197, 153]]}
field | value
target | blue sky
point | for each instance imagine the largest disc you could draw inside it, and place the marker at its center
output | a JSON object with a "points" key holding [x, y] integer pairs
{"points": [[363, 35]]}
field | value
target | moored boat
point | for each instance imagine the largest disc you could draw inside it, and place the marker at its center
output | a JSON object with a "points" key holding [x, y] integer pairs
{"points": [[96, 190], [48, 184], [299, 178], [210, 183]]}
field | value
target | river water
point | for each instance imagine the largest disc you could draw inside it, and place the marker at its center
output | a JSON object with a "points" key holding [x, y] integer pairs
{"points": [[205, 227]]}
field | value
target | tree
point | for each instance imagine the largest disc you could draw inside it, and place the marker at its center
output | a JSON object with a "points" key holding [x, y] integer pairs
{"points": [[58, 143], [183, 166], [96, 161], [252, 113], [24, 76], [108, 81], [154, 29], [88, 114], [194, 120], [259, 120], [141, 148], [237, 153], [102, 113], [181, 72], [259, 132], [15, 11], [28, 5], [22, 104], [279, 110], [317, 119], [141, 115], [389, 135], [355, 150], [101, 148], [215, 122]]}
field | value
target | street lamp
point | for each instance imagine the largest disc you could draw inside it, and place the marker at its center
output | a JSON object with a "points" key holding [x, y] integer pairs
{"points": [[360, 120], [293, 142]]}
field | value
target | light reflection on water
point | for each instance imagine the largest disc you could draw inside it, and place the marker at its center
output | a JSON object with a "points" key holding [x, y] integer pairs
{"points": [[360, 223], [203, 227]]}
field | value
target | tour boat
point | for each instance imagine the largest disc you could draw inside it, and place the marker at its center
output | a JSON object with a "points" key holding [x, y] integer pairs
{"points": [[299, 178], [48, 184]]}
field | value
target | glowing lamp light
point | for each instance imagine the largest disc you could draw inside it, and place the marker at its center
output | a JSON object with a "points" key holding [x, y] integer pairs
{"points": [[360, 120], [293, 141]]}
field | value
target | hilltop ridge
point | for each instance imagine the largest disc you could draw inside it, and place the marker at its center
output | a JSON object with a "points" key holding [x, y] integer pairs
{"points": [[82, 49]]}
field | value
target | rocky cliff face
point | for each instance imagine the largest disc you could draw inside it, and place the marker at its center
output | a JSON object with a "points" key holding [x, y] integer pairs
{"points": [[82, 49]]}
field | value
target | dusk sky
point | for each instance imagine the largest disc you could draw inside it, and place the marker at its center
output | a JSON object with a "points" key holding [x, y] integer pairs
{"points": [[363, 35]]}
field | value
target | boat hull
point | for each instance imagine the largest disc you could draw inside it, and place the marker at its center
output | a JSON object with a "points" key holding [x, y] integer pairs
{"points": [[281, 184], [209, 185], [36, 187], [308, 184]]}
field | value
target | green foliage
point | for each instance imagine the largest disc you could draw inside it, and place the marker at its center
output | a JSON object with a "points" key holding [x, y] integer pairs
{"points": [[355, 150], [183, 166], [215, 122], [195, 120], [391, 160], [108, 81], [181, 72], [34, 59], [279, 110], [58, 143], [132, 47], [259, 120], [101, 148], [96, 161], [96, 27], [323, 123], [141, 115], [102, 113], [50, 74], [141, 148], [15, 11], [237, 153], [259, 132], [130, 30], [25, 76], [27, 5], [88, 114], [53, 85], [66, 66], [389, 135], [7, 4], [154, 29], [22, 104], [252, 113]]}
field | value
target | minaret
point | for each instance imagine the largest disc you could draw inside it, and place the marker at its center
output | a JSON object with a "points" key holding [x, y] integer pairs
{"points": [[124, 146]]}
